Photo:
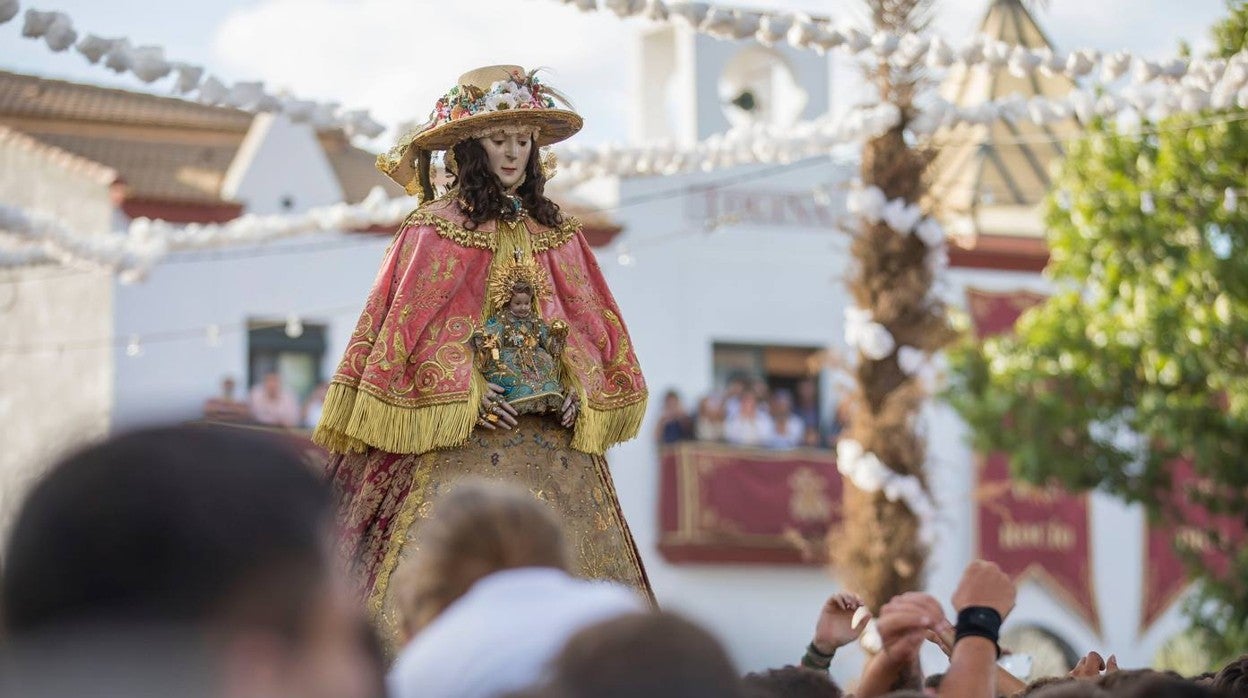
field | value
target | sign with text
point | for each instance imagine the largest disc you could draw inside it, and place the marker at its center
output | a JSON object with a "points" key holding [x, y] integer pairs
{"points": [[796, 209], [727, 504], [1034, 533]]}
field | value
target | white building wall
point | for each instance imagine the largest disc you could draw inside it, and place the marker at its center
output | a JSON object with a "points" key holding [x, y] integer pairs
{"points": [[783, 285], [321, 279], [280, 168], [51, 400], [170, 380], [687, 290]]}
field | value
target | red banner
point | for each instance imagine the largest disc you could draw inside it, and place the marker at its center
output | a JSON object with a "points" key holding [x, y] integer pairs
{"points": [[726, 504], [1037, 533], [1043, 534], [1187, 526]]}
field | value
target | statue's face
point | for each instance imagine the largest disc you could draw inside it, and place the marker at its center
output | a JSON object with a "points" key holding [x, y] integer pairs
{"points": [[521, 305], [508, 153]]}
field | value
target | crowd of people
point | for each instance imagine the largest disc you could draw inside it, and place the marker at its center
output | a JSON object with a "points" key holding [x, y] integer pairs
{"points": [[191, 561], [269, 402], [748, 412]]}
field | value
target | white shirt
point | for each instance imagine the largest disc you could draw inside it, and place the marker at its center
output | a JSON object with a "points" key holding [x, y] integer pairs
{"points": [[746, 431], [282, 411], [499, 637], [794, 433]]}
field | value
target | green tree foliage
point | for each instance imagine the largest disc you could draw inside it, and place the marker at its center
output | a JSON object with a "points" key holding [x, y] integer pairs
{"points": [[1140, 357]]}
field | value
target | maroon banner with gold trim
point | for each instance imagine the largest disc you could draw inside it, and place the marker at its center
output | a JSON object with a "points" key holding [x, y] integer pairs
{"points": [[727, 504], [1187, 526], [1043, 534]]}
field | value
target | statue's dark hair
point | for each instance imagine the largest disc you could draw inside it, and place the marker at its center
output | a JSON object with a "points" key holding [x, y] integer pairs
{"points": [[482, 196]]}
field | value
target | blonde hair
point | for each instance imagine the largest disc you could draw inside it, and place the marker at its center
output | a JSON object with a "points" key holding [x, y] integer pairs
{"points": [[476, 529]]}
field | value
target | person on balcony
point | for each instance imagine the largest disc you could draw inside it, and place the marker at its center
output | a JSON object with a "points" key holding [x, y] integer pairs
{"points": [[751, 426], [787, 431]]}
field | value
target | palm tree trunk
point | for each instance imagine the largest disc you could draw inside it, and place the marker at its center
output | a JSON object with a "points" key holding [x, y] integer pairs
{"points": [[877, 550]]}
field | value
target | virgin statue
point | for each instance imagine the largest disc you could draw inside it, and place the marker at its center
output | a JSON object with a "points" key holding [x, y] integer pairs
{"points": [[410, 410]]}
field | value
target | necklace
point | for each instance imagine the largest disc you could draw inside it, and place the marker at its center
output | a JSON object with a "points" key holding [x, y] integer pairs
{"points": [[514, 206]]}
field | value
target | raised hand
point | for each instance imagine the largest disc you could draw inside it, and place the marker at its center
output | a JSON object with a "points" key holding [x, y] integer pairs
{"points": [[984, 584], [1091, 666], [904, 624], [835, 627]]}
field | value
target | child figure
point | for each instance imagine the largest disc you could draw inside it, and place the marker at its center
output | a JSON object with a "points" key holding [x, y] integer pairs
{"points": [[516, 350]]}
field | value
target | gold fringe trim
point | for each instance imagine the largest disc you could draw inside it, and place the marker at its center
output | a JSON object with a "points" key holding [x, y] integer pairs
{"points": [[353, 420], [597, 430]]}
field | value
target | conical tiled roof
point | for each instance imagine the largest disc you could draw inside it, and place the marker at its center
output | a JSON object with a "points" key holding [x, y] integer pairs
{"points": [[1003, 166]]}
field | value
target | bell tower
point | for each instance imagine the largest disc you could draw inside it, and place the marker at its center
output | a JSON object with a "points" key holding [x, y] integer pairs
{"points": [[689, 86]]}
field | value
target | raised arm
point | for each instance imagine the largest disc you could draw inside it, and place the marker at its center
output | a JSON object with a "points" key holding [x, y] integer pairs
{"points": [[903, 626], [983, 599]]}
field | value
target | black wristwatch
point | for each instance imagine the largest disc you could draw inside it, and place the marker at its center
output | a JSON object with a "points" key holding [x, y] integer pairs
{"points": [[979, 621]]}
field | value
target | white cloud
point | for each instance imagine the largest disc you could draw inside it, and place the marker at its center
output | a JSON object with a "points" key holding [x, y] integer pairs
{"points": [[396, 57]]}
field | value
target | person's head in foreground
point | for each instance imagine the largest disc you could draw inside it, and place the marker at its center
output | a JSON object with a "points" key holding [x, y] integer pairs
{"points": [[656, 655], [1232, 680], [476, 529], [791, 682], [487, 600], [184, 559]]}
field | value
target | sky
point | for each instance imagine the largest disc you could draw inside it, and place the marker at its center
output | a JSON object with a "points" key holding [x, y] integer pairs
{"points": [[395, 57]]}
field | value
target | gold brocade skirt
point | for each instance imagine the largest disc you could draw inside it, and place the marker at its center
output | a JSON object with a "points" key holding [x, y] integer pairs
{"points": [[383, 499]]}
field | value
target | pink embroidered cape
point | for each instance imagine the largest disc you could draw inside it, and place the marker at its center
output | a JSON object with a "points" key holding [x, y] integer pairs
{"points": [[407, 382]]}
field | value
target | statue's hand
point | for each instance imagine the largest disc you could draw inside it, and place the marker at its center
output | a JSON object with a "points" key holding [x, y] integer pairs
{"points": [[570, 410], [495, 411]]}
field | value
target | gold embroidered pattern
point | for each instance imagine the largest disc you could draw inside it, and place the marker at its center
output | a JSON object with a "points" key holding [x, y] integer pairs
{"points": [[542, 240], [556, 237], [538, 456]]}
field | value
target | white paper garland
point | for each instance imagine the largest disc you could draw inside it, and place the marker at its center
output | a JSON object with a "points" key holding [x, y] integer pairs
{"points": [[149, 64], [1188, 96], [9, 10], [34, 237], [868, 473], [907, 218], [739, 146], [909, 49]]}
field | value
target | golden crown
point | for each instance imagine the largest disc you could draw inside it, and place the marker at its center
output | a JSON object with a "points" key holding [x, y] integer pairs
{"points": [[518, 273]]}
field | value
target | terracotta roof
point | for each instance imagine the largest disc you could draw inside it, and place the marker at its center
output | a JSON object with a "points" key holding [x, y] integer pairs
{"points": [[1002, 164], [164, 169], [41, 98], [356, 169], [163, 148]]}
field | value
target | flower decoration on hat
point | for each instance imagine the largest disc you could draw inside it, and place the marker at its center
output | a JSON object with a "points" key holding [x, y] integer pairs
{"points": [[488, 100]]}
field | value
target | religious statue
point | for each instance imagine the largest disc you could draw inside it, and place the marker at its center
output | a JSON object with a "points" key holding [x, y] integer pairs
{"points": [[516, 350], [489, 345]]}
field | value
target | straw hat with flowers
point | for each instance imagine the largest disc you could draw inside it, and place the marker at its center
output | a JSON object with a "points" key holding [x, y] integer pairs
{"points": [[497, 98]]}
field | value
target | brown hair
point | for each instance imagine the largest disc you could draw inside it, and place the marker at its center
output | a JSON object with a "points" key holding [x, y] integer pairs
{"points": [[1044, 682], [1163, 685], [476, 529], [1070, 689], [1233, 679], [481, 195], [791, 682], [657, 655]]}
